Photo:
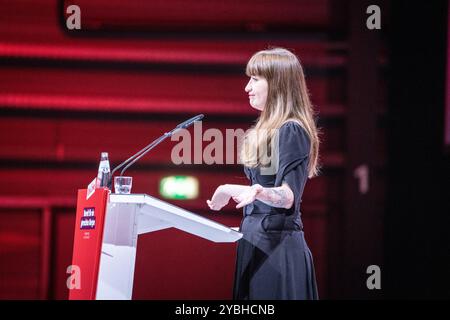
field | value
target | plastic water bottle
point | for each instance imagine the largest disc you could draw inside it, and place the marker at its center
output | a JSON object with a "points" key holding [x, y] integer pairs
{"points": [[104, 171]]}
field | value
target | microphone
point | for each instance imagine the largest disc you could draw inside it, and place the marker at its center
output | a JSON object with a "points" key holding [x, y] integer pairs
{"points": [[130, 161], [189, 122]]}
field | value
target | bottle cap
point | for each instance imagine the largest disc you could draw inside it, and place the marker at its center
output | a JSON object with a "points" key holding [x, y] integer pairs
{"points": [[104, 155]]}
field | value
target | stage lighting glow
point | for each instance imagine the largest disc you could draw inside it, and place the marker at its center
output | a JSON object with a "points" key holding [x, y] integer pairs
{"points": [[179, 187]]}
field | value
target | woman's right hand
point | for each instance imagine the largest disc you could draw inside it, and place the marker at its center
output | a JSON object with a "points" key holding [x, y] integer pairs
{"points": [[219, 199]]}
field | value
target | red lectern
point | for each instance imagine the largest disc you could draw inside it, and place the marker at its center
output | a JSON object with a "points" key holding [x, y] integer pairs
{"points": [[88, 241], [106, 233]]}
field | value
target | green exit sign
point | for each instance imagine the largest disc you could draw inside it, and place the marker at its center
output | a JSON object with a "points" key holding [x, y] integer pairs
{"points": [[179, 187]]}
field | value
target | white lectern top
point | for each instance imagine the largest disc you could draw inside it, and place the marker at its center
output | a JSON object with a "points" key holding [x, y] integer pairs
{"points": [[156, 214]]}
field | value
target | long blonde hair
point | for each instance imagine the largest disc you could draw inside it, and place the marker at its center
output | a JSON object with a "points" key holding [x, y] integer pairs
{"points": [[287, 99]]}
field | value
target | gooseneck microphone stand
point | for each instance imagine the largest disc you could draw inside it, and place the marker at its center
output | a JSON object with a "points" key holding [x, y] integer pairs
{"points": [[134, 158]]}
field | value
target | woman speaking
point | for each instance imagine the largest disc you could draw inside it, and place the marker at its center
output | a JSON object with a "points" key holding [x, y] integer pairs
{"points": [[279, 153]]}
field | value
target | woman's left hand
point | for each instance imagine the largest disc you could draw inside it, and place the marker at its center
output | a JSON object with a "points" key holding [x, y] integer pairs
{"points": [[247, 196], [219, 199]]}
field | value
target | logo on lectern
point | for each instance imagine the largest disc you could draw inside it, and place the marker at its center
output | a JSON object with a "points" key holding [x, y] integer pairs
{"points": [[88, 219]]}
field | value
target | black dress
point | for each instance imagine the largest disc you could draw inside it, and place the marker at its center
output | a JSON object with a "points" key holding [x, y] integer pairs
{"points": [[273, 260]]}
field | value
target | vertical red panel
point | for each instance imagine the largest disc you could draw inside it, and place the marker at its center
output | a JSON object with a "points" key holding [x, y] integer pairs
{"points": [[64, 220], [88, 238], [172, 264], [20, 260]]}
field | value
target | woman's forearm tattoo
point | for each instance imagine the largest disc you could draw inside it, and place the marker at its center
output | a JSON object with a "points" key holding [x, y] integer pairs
{"points": [[274, 197]]}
